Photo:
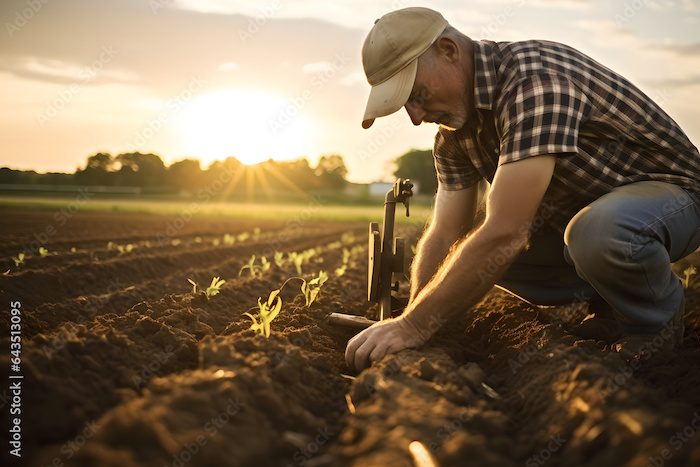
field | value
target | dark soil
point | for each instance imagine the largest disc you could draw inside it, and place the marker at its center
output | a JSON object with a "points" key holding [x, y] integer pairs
{"points": [[124, 365]]}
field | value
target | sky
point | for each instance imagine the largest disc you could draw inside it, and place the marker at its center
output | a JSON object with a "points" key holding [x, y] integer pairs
{"points": [[279, 79]]}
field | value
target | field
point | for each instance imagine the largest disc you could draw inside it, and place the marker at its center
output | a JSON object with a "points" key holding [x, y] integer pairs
{"points": [[125, 364]]}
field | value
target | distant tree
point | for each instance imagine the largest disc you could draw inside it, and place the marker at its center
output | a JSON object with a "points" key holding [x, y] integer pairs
{"points": [[331, 171], [7, 175], [418, 165], [185, 174], [221, 179], [99, 170], [102, 161], [139, 169]]}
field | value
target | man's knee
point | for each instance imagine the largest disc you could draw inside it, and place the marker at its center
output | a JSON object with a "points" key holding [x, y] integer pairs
{"points": [[594, 234]]}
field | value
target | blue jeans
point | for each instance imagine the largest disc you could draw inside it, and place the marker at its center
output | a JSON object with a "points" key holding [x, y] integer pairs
{"points": [[619, 249]]}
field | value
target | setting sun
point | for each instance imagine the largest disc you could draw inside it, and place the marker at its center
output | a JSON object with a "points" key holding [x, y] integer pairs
{"points": [[251, 126]]}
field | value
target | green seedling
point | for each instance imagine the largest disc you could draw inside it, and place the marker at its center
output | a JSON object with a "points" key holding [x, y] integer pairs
{"points": [[686, 276], [6, 273], [335, 245], [279, 259], [43, 252], [341, 270], [312, 288], [19, 259], [255, 269], [265, 264], [256, 234], [242, 237], [125, 248], [175, 241], [215, 287], [347, 238], [296, 259], [267, 311], [229, 239], [349, 253]]}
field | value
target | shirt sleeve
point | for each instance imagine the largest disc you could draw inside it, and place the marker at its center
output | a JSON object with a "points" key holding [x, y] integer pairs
{"points": [[455, 170], [541, 115]]}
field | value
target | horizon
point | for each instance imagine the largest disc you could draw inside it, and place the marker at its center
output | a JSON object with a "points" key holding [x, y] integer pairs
{"points": [[210, 79]]}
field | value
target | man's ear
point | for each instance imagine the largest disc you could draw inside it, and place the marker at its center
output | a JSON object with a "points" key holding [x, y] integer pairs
{"points": [[446, 48]]}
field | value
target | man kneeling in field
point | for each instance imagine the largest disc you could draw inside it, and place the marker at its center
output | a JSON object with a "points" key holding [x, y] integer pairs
{"points": [[594, 189]]}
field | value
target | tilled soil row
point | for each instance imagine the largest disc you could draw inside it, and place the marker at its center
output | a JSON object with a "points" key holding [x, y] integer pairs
{"points": [[178, 379]]}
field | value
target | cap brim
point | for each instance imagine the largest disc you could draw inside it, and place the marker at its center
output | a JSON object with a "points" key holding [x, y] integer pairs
{"points": [[389, 96]]}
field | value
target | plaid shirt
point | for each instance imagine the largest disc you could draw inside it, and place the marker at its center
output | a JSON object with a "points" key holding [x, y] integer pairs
{"points": [[539, 97]]}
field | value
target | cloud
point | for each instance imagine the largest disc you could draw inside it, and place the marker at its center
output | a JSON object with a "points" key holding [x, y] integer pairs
{"points": [[160, 49], [680, 49], [677, 82]]}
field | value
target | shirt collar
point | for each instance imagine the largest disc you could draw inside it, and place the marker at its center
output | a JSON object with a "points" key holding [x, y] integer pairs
{"points": [[484, 75]]}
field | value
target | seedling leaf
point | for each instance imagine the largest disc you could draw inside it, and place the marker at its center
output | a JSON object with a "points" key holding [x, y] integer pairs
{"points": [[19, 259], [267, 311], [215, 286], [689, 271], [312, 288]]}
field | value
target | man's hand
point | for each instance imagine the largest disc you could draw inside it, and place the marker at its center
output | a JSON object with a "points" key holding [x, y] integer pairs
{"points": [[380, 339]]}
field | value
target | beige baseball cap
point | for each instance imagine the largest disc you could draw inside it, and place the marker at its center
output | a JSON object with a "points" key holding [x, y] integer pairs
{"points": [[390, 57]]}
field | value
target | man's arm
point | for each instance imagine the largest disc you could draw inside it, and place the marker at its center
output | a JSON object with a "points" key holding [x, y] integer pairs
{"points": [[471, 268], [453, 219]]}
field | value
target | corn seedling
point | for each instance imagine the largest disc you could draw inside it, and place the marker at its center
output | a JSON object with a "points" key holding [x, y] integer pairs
{"points": [[312, 288], [255, 269], [215, 242], [347, 238], [686, 276], [43, 252], [279, 259], [215, 287], [125, 248], [242, 237], [229, 239], [267, 311], [256, 234], [296, 259], [335, 245], [19, 259], [341, 270], [175, 241]]}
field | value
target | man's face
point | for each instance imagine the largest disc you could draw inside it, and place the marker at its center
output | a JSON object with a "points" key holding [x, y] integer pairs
{"points": [[439, 95]]}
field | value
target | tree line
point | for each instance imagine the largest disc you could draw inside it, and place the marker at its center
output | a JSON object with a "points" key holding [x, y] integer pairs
{"points": [[149, 173]]}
